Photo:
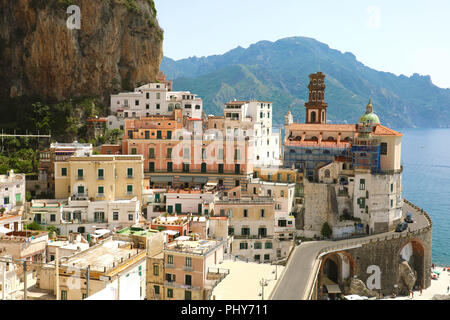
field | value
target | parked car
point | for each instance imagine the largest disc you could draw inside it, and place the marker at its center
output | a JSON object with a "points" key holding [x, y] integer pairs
{"points": [[401, 227], [409, 218]]}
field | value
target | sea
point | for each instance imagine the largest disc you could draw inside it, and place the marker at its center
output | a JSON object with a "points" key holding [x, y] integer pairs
{"points": [[426, 182]]}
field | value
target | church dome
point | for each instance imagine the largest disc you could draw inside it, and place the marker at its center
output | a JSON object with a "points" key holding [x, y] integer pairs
{"points": [[369, 117]]}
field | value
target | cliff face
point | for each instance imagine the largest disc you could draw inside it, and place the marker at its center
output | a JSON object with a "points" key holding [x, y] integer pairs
{"points": [[119, 46]]}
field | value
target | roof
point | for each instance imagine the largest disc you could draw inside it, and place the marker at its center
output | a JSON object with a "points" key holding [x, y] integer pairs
{"points": [[381, 130], [322, 127], [369, 118]]}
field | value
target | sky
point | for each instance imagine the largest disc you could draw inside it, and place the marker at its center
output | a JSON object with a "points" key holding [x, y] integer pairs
{"points": [[401, 36]]}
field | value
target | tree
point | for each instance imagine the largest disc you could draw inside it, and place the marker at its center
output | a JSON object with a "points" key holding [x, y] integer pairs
{"points": [[326, 230]]}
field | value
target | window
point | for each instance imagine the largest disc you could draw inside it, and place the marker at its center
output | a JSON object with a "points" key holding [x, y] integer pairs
{"points": [[64, 172], [169, 259], [245, 231], [230, 231], [80, 174], [52, 217], [187, 295], [392, 187], [267, 257], [83, 296], [197, 107], [147, 95], [169, 134], [169, 166], [258, 245], [63, 295], [169, 153], [151, 167], [130, 189], [188, 262], [158, 95], [159, 134], [156, 289], [115, 216], [362, 184], [158, 106], [130, 217], [392, 203], [245, 213], [243, 245], [282, 193], [147, 106], [136, 102], [282, 223], [100, 174], [133, 151], [262, 232], [220, 156], [130, 172], [362, 203], [268, 245], [169, 293], [262, 213], [100, 191], [151, 153], [383, 148], [99, 216]]}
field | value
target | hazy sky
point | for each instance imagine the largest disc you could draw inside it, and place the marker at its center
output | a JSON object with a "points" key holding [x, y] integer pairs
{"points": [[402, 37]]}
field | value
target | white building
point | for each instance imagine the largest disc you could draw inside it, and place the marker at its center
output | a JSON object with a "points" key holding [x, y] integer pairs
{"points": [[155, 99], [252, 119], [12, 191], [80, 215]]}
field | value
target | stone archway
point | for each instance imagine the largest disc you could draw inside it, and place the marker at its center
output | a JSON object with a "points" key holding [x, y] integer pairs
{"points": [[411, 258], [337, 268]]}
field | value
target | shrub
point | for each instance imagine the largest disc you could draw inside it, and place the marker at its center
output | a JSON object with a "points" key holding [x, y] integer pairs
{"points": [[326, 230]]}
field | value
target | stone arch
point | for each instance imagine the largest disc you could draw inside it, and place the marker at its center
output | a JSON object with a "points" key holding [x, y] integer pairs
{"points": [[413, 252], [337, 267]]}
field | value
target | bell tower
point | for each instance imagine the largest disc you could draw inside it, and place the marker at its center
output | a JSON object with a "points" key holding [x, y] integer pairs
{"points": [[316, 107]]}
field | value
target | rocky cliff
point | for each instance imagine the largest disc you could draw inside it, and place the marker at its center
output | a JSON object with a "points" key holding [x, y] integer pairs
{"points": [[118, 46]]}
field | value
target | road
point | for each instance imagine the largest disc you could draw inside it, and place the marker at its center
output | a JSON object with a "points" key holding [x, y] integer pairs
{"points": [[300, 268]]}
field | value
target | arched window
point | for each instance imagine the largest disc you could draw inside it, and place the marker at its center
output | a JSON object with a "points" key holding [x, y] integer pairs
{"points": [[313, 116], [314, 96], [314, 139], [330, 139], [327, 173]]}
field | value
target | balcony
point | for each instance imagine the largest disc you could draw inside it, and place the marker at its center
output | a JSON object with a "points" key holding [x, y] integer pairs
{"points": [[80, 178], [100, 195], [245, 236], [173, 284], [130, 176], [101, 178], [169, 265], [188, 268]]}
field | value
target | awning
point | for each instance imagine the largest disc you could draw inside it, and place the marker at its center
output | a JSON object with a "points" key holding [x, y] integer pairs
{"points": [[201, 179], [182, 238], [102, 232], [212, 183], [5, 230], [171, 232], [161, 179], [185, 179], [333, 288]]}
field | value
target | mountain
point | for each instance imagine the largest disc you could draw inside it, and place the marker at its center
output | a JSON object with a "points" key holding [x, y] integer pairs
{"points": [[278, 71]]}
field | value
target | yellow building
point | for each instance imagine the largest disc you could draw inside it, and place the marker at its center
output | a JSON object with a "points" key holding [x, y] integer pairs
{"points": [[101, 177], [276, 174]]}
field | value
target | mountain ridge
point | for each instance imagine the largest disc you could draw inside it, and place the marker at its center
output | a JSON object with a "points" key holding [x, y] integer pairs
{"points": [[283, 66]]}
